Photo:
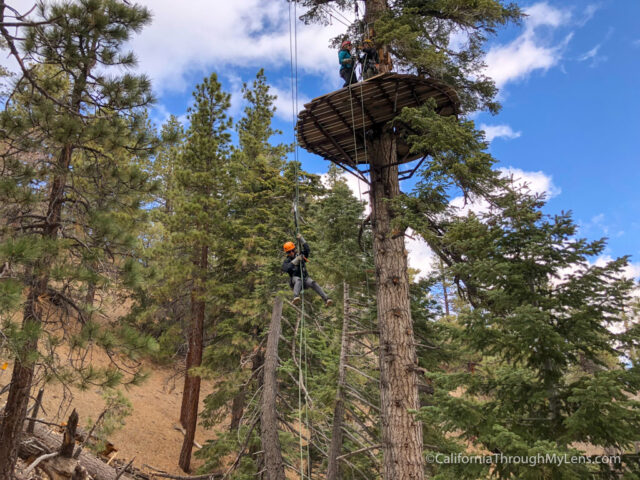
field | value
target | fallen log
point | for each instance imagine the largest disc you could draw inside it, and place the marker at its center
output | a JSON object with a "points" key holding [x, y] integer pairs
{"points": [[47, 441]]}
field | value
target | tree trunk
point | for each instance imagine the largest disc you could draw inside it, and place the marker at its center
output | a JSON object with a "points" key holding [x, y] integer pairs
{"points": [[445, 288], [23, 368], [237, 409], [333, 467], [69, 437], [15, 411], [373, 10], [257, 364], [196, 338], [274, 464], [89, 298], [36, 411], [401, 433], [186, 389]]}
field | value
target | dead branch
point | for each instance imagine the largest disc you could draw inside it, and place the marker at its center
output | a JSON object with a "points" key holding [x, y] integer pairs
{"points": [[86, 439], [361, 450], [181, 429], [40, 459], [124, 469]]}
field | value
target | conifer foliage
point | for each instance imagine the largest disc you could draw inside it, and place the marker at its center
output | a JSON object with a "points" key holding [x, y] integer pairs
{"points": [[74, 134], [547, 332], [518, 344]]}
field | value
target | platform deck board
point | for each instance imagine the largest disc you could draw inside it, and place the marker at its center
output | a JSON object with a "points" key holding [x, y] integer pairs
{"points": [[326, 125]]}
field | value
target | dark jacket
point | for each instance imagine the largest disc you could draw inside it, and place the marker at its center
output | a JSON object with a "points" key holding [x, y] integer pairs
{"points": [[369, 57], [294, 270]]}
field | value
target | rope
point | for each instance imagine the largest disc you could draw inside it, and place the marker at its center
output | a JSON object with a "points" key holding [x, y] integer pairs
{"points": [[302, 341], [364, 133]]}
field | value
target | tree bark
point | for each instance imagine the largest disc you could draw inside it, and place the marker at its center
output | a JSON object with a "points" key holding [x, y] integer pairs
{"points": [[373, 10], [274, 463], [69, 437], [196, 337], [23, 368], [445, 288], [36, 411], [186, 389], [401, 433], [237, 409], [257, 364], [333, 467]]}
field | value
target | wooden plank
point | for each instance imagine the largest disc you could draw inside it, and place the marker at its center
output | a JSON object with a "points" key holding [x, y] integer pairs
{"points": [[330, 138], [328, 123]]}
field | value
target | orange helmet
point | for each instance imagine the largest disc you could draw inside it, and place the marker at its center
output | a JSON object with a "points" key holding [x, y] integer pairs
{"points": [[345, 44], [287, 247]]}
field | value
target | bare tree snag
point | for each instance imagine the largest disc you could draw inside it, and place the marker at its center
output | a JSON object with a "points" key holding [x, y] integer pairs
{"points": [[333, 467], [191, 396], [401, 432], [36, 409], [69, 438], [274, 463]]}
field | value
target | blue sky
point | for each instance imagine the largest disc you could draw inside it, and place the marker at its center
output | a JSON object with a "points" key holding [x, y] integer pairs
{"points": [[568, 79]]}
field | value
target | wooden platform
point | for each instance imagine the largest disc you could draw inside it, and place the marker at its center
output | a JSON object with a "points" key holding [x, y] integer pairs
{"points": [[325, 126]]}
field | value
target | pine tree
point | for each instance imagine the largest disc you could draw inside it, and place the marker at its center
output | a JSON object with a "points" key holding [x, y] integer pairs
{"points": [[260, 222], [417, 35], [200, 210], [71, 132], [542, 314]]}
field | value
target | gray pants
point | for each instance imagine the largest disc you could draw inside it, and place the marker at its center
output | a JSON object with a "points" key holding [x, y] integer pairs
{"points": [[296, 283]]}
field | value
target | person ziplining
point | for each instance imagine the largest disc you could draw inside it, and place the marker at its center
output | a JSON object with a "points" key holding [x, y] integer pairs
{"points": [[296, 266]]}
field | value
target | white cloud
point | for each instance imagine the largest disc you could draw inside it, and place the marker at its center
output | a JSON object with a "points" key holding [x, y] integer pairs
{"points": [[359, 188], [283, 102], [632, 270], [537, 182], [587, 13], [498, 131], [531, 50], [421, 257], [542, 14], [593, 55], [214, 35], [590, 54]]}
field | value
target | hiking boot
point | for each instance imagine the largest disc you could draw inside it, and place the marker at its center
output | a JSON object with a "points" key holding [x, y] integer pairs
{"points": [[328, 302], [296, 300]]}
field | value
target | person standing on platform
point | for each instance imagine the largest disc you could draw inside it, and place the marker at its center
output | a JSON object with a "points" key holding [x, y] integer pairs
{"points": [[346, 64], [369, 59]]}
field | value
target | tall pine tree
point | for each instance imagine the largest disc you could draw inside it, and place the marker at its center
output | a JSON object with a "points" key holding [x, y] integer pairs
{"points": [[69, 132]]}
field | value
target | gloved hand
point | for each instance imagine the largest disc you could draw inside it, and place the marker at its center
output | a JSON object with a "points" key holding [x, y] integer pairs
{"points": [[296, 261], [301, 238]]}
